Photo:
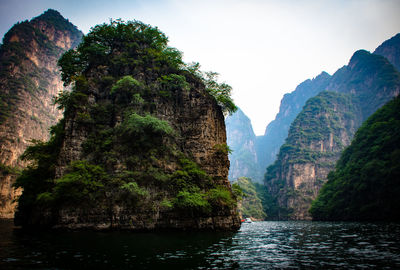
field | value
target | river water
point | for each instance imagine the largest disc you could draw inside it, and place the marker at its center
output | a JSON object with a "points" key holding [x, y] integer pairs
{"points": [[258, 245]]}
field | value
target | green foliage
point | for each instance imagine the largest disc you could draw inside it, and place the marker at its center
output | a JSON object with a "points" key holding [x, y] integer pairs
{"points": [[220, 196], [8, 170], [189, 176], [132, 193], [365, 183], [71, 100], [141, 125], [270, 204], [192, 201], [83, 182], [121, 46], [144, 132], [315, 137], [126, 85], [126, 91], [118, 73], [222, 149], [141, 48], [251, 205], [173, 81], [134, 189], [220, 91], [45, 198], [37, 177], [167, 204], [237, 191]]}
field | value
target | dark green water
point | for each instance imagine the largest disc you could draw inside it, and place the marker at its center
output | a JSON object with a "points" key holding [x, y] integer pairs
{"points": [[259, 245]]}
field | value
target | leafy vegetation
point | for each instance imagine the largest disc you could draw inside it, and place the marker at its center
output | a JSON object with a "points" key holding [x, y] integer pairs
{"points": [[251, 204], [365, 183], [315, 138], [220, 91], [130, 155], [8, 170]]}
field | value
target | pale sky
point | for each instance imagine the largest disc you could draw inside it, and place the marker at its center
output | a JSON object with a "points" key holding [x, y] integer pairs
{"points": [[262, 48]]}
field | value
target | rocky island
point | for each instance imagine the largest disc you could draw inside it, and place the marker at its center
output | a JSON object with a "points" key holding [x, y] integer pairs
{"points": [[142, 144]]}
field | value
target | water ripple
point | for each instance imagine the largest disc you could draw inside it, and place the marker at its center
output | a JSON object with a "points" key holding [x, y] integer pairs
{"points": [[259, 245]]}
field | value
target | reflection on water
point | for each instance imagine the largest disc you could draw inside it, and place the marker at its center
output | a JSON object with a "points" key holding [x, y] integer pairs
{"points": [[259, 245]]}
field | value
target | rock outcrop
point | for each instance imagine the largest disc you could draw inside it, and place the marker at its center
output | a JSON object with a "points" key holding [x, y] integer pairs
{"points": [[318, 135], [316, 139], [253, 154], [291, 105], [365, 183], [142, 144], [29, 81]]}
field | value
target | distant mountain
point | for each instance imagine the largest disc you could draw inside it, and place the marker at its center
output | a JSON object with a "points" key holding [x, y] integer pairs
{"points": [[370, 77], [391, 50], [326, 125], [267, 146], [241, 140], [316, 139], [251, 155], [29, 81], [366, 182]]}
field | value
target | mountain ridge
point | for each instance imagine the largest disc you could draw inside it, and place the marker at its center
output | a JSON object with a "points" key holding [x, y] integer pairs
{"points": [[29, 81]]}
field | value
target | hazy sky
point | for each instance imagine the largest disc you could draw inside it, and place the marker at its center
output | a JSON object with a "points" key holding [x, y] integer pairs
{"points": [[262, 48]]}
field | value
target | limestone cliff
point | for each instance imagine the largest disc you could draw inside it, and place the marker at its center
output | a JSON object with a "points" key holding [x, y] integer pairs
{"points": [[29, 81], [242, 141], [316, 140], [142, 144], [268, 145], [365, 183]]}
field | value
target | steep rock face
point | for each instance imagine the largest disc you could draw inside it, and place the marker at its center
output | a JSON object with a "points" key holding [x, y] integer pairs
{"points": [[371, 81], [369, 77], [267, 146], [29, 81], [241, 140], [365, 183], [316, 138], [142, 144], [390, 49]]}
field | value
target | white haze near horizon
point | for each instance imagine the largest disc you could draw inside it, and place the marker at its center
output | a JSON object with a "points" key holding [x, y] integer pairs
{"points": [[263, 49]]}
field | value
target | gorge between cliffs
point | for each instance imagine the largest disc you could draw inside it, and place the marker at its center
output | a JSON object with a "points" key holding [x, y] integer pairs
{"points": [[115, 153], [137, 136]]}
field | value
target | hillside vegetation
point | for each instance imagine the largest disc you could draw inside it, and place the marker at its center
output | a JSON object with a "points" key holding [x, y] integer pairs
{"points": [[366, 182]]}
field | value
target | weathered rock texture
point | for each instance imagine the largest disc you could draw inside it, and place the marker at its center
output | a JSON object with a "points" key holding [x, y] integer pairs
{"points": [[316, 139], [29, 81], [368, 81], [147, 132], [199, 121], [268, 145], [242, 141]]}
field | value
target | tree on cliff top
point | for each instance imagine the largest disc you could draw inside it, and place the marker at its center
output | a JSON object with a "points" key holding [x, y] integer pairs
{"points": [[140, 47], [123, 77]]}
